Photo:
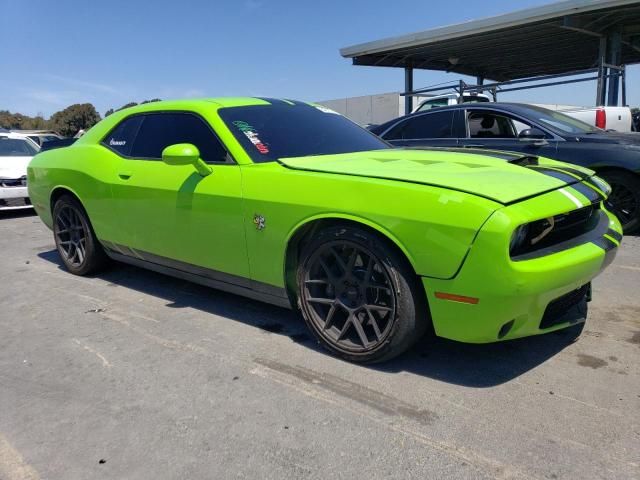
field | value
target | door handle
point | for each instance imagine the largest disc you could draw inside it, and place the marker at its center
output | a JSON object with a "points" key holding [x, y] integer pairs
{"points": [[124, 175]]}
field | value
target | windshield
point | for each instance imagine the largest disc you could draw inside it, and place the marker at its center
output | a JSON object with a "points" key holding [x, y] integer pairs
{"points": [[280, 130], [16, 147], [559, 122]]}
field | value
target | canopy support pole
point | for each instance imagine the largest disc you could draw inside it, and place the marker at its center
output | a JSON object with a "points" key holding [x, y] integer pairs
{"points": [[408, 87]]}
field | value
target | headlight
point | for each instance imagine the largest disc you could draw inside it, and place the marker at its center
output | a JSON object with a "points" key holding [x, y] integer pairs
{"points": [[530, 235], [518, 238]]}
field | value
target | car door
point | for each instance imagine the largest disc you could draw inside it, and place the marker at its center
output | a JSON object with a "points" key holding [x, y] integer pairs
{"points": [[430, 129], [170, 214], [494, 130]]}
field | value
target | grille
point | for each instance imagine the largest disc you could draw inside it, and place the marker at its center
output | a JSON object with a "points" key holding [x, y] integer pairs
{"points": [[559, 310], [14, 182], [14, 202]]}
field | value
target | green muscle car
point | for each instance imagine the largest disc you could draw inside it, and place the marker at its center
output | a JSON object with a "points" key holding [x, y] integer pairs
{"points": [[290, 203]]}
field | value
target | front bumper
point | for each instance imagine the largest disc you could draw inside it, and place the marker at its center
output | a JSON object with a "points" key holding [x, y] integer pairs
{"points": [[520, 298], [13, 198]]}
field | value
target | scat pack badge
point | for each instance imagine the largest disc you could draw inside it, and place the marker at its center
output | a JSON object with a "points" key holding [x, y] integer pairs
{"points": [[259, 221]]}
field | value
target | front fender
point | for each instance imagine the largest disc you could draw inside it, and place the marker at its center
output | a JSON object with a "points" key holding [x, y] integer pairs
{"points": [[434, 227]]}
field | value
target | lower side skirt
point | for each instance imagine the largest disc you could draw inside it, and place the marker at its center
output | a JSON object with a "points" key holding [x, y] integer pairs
{"points": [[280, 299]]}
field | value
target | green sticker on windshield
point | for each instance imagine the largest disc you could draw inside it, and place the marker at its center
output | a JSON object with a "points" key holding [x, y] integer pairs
{"points": [[252, 135]]}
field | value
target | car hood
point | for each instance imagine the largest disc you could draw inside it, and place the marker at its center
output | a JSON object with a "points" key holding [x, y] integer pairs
{"points": [[499, 176], [13, 167]]}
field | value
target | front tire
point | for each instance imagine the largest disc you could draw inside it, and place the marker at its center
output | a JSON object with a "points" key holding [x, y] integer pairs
{"points": [[75, 239], [624, 200], [359, 296]]}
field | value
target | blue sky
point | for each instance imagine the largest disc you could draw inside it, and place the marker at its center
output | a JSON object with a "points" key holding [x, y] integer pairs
{"points": [[56, 53]]}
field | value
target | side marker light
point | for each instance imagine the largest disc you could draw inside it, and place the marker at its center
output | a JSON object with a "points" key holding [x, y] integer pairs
{"points": [[457, 298]]}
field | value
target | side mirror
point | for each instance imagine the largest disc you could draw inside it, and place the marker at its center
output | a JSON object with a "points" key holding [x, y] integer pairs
{"points": [[533, 135], [185, 154]]}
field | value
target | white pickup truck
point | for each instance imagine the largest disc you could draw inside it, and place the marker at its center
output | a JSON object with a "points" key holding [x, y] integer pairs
{"points": [[607, 118], [450, 99]]}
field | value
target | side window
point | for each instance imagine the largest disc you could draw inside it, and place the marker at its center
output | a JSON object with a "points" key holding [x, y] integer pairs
{"points": [[519, 126], [484, 124], [430, 125], [121, 138], [159, 130]]}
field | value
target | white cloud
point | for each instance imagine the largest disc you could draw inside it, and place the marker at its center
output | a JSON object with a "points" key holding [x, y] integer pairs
{"points": [[193, 93], [49, 96], [75, 82]]}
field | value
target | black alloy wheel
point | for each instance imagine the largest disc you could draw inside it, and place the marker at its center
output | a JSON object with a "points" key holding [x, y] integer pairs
{"points": [[71, 236], [358, 296], [351, 295], [624, 200], [75, 239]]}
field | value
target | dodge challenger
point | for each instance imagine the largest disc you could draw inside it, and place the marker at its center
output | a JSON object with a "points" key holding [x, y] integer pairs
{"points": [[290, 203]]}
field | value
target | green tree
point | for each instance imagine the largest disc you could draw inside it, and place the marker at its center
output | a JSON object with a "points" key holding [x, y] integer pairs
{"points": [[74, 118], [11, 120], [127, 105]]}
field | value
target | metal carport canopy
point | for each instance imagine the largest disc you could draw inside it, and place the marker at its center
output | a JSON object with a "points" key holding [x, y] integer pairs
{"points": [[557, 38]]}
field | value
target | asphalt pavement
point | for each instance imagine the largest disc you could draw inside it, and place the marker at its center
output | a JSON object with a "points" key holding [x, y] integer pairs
{"points": [[134, 375]]}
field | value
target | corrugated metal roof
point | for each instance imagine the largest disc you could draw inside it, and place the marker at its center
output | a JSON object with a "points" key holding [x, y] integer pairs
{"points": [[555, 38]]}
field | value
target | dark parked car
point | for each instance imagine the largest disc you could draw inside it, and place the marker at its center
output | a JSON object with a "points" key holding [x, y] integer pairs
{"points": [[534, 131], [58, 143]]}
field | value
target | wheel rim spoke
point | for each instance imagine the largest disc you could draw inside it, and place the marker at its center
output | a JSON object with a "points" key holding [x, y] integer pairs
{"points": [[326, 301], [328, 322], [358, 326], [345, 327], [373, 323], [379, 308], [340, 261]]}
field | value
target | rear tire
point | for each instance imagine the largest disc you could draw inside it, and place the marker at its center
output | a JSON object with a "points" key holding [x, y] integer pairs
{"points": [[75, 239], [625, 199], [359, 296]]}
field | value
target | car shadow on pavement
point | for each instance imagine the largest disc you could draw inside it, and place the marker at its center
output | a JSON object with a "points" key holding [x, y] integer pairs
{"points": [[22, 212], [478, 366]]}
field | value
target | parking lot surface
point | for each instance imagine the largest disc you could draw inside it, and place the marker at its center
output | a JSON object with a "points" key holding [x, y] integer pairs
{"points": [[132, 374]]}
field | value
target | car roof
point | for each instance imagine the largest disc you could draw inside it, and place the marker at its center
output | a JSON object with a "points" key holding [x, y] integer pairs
{"points": [[506, 106], [220, 102], [14, 135], [518, 108]]}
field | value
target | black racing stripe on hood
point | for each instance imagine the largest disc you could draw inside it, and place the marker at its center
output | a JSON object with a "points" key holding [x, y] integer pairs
{"points": [[573, 171], [615, 235], [474, 151], [565, 177], [593, 195], [605, 243]]}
